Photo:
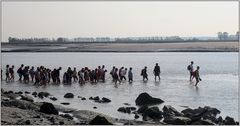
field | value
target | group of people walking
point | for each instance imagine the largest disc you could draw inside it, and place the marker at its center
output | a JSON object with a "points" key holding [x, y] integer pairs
{"points": [[42, 75], [194, 73]]}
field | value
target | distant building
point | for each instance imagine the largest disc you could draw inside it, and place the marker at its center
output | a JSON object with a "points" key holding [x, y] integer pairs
{"points": [[220, 36]]}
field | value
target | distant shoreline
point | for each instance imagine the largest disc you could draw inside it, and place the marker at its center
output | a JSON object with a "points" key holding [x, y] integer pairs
{"points": [[123, 47]]}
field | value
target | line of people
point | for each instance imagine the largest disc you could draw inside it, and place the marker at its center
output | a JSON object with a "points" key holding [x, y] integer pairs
{"points": [[43, 75]]}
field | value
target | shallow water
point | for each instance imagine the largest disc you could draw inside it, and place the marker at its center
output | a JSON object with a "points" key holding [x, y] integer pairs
{"points": [[218, 88]]}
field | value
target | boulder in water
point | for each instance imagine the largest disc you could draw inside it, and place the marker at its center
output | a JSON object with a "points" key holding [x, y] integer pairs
{"points": [[153, 113], [229, 121], [146, 99], [48, 108], [105, 100], [99, 120], [69, 95], [27, 98], [168, 110]]}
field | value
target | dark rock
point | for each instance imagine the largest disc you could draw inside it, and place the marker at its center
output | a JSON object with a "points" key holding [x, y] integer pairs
{"points": [[96, 98], [212, 111], [153, 113], [146, 99], [27, 98], [8, 92], [237, 123], [48, 108], [26, 92], [194, 114], [202, 122], [36, 116], [40, 95], [27, 122], [128, 110], [94, 107], [168, 110], [65, 103], [99, 120], [132, 108], [69, 95], [19, 92], [229, 121], [43, 94], [34, 93], [122, 109], [142, 109], [53, 98], [177, 120], [83, 99], [126, 104], [220, 120], [136, 116], [91, 98], [52, 120], [61, 123], [105, 100], [67, 116]]}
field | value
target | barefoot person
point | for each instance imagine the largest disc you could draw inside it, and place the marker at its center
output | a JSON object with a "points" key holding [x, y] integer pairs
{"points": [[197, 76], [190, 69], [156, 71]]}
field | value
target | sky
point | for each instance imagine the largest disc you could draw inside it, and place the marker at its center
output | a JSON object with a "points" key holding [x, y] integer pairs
{"points": [[117, 19]]}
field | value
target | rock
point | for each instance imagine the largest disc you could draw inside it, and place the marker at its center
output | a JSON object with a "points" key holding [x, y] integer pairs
{"points": [[65, 103], [153, 113], [48, 108], [67, 116], [27, 98], [91, 98], [43, 94], [19, 92], [202, 122], [220, 120], [146, 99], [53, 98], [212, 111], [8, 92], [34, 93], [40, 95], [36, 116], [83, 99], [27, 122], [229, 121], [69, 95], [177, 120], [142, 109], [99, 120], [26, 92], [61, 123], [122, 109], [96, 98], [105, 100], [136, 116], [52, 120], [126, 104], [168, 110], [94, 107], [194, 114], [132, 108]]}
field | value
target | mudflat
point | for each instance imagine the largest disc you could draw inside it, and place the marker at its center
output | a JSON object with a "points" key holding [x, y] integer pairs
{"points": [[124, 47]]}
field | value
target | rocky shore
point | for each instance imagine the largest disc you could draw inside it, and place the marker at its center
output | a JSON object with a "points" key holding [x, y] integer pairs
{"points": [[19, 108]]}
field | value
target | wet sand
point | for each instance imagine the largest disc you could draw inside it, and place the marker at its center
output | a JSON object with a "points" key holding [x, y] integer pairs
{"points": [[124, 47]]}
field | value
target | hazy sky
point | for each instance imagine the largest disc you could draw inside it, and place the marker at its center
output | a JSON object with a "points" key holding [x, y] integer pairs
{"points": [[118, 19]]}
